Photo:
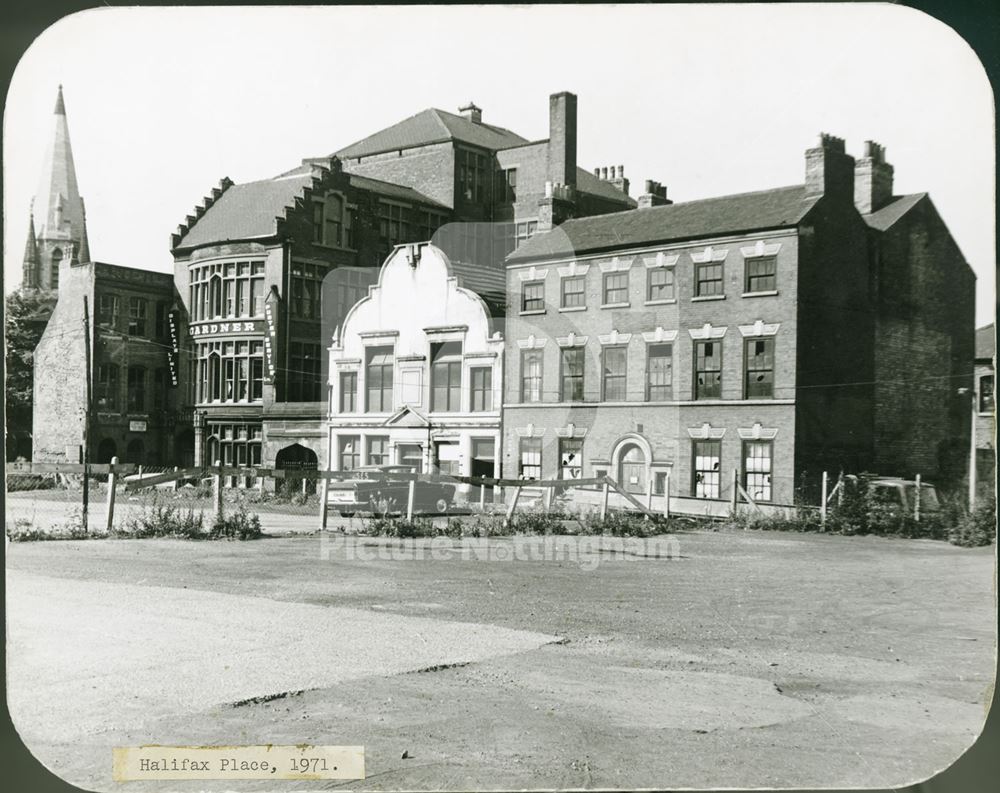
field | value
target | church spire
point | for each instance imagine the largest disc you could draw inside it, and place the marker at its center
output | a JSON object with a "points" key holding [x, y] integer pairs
{"points": [[62, 222], [29, 279]]}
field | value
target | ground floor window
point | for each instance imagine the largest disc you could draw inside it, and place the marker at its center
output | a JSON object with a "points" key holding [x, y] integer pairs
{"points": [[483, 464], [757, 469], [378, 450], [570, 458], [706, 469], [530, 459], [659, 483], [234, 445], [349, 452], [412, 455], [447, 458]]}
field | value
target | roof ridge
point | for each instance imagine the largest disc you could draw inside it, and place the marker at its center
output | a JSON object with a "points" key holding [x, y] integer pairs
{"points": [[685, 203]]}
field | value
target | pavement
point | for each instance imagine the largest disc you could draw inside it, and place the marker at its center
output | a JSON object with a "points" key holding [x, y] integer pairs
{"points": [[87, 656], [746, 659]]}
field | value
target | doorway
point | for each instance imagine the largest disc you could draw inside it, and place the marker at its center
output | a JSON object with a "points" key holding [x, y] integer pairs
{"points": [[632, 469]]}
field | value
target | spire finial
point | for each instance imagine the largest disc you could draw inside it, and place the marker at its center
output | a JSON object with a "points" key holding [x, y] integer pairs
{"points": [[60, 106]]}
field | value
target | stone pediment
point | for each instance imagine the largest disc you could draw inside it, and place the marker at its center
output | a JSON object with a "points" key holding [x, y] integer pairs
{"points": [[407, 417]]}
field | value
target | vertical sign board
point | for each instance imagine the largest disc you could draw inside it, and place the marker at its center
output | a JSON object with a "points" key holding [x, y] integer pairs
{"points": [[270, 338], [173, 356]]}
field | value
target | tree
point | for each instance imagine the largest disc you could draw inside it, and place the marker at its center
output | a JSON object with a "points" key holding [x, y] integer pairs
{"points": [[26, 314]]}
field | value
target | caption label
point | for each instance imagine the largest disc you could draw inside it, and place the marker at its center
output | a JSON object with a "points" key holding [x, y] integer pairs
{"points": [[302, 761]]}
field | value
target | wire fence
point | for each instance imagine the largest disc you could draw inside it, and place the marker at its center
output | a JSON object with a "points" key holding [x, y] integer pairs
{"points": [[128, 498]]}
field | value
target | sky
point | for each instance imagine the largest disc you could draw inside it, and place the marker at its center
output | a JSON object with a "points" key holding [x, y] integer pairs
{"points": [[709, 100]]}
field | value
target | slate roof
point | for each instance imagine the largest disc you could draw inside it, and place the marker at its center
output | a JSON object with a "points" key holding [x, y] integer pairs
{"points": [[489, 283], [586, 182], [247, 210], [985, 342], [432, 126], [393, 190], [883, 218], [764, 209]]}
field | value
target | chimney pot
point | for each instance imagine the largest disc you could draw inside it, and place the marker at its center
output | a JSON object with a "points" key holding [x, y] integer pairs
{"points": [[472, 113]]}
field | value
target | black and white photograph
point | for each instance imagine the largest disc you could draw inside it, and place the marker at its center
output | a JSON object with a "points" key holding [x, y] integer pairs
{"points": [[465, 398]]}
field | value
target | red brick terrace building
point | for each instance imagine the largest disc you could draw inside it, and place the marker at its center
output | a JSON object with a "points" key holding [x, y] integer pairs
{"points": [[780, 333]]}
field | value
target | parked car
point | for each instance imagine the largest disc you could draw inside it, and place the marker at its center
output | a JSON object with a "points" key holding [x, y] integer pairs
{"points": [[901, 493], [380, 488]]}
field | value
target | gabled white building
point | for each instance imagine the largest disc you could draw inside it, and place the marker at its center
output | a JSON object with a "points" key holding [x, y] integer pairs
{"points": [[416, 372]]}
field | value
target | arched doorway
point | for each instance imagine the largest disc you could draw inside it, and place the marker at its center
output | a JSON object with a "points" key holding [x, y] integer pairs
{"points": [[135, 452], [106, 449], [632, 468], [296, 458]]}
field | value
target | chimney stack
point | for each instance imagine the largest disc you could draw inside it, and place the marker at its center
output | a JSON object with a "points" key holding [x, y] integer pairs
{"points": [[872, 179], [618, 178], [472, 113], [829, 169], [562, 139], [655, 195]]}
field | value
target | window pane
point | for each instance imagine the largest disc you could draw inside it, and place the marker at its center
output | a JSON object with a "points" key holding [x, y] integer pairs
{"points": [[659, 372], [616, 288], [706, 472], [531, 376], [708, 279], [757, 469], [572, 374], [759, 368], [614, 373], [708, 370], [661, 284]]}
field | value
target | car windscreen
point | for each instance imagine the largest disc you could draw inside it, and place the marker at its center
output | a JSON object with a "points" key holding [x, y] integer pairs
{"points": [[928, 496]]}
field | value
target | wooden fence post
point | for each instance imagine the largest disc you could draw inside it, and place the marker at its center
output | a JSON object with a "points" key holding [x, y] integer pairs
{"points": [[324, 486], [482, 498], [822, 500], [840, 489], [409, 499], [732, 496], [513, 505], [112, 481], [666, 496], [649, 492], [916, 502], [177, 481], [547, 502], [604, 500], [217, 491]]}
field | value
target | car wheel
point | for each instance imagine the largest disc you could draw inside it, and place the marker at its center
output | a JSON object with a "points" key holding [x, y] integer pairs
{"points": [[441, 505]]}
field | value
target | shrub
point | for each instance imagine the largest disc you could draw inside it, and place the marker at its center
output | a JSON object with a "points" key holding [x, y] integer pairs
{"points": [[161, 519], [237, 525], [24, 530], [799, 520], [977, 528]]}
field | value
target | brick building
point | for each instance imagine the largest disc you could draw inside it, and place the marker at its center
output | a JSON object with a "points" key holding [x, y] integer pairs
{"points": [[985, 407], [741, 333], [416, 372], [134, 414], [267, 270]]}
